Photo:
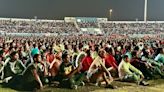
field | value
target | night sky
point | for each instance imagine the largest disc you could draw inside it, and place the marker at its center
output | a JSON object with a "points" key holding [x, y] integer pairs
{"points": [[58, 9]]}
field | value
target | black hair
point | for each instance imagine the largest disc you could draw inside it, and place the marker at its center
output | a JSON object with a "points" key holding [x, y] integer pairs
{"points": [[159, 50], [127, 48], [134, 53], [36, 56], [145, 53], [80, 46], [64, 54], [13, 53], [96, 48], [75, 48], [66, 47], [100, 52], [34, 45], [125, 56], [88, 53], [136, 48], [108, 50]]}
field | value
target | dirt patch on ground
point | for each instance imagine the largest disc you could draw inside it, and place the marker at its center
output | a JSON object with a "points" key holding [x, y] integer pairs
{"points": [[155, 86]]}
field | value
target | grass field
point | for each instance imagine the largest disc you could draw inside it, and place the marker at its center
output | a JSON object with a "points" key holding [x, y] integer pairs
{"points": [[155, 86]]}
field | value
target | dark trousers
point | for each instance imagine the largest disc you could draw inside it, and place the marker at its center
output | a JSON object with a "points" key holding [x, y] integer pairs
{"points": [[75, 80]]}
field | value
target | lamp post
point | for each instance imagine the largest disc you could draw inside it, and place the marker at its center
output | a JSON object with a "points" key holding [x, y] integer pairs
{"points": [[145, 11], [110, 14]]}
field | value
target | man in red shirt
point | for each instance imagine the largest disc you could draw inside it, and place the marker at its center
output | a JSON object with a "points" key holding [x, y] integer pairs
{"points": [[109, 59], [110, 62], [87, 61], [50, 56]]}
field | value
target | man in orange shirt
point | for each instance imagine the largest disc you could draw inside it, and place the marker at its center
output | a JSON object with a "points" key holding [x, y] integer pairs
{"points": [[50, 56]]}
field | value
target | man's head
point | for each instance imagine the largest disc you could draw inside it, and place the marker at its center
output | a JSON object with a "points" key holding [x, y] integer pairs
{"points": [[65, 57], [126, 58], [88, 53], [128, 48], [14, 55], [160, 50], [101, 53], [51, 50], [37, 58], [108, 50], [134, 54]]}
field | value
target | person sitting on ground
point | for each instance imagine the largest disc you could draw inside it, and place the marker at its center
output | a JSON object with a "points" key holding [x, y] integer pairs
{"points": [[156, 67], [69, 76], [33, 76], [110, 59], [86, 62], [160, 57], [12, 67], [128, 51], [55, 67], [97, 71], [144, 67], [129, 73]]}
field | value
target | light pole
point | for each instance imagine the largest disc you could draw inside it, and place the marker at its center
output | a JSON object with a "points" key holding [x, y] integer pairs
{"points": [[110, 14], [145, 11]]}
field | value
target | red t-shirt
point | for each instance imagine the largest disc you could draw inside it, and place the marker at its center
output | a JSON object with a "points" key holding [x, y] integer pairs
{"points": [[110, 61], [86, 62], [50, 57]]}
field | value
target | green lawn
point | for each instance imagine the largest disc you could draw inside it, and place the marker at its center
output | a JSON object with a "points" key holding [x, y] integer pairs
{"points": [[155, 86]]}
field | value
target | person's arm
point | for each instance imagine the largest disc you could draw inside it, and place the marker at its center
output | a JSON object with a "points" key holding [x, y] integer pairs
{"points": [[154, 62], [53, 62], [111, 68], [72, 72], [114, 64], [126, 69], [135, 69], [22, 65], [4, 64], [47, 59], [45, 68], [91, 67], [113, 51], [105, 69], [37, 77], [157, 58]]}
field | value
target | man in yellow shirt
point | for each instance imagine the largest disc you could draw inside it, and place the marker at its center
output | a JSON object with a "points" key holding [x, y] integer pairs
{"points": [[129, 73]]}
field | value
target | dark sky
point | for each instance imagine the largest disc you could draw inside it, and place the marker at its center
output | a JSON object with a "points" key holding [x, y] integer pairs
{"points": [[58, 9]]}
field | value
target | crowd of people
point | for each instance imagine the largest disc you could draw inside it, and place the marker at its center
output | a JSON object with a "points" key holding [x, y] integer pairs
{"points": [[133, 28], [60, 26], [37, 26], [27, 63], [88, 24]]}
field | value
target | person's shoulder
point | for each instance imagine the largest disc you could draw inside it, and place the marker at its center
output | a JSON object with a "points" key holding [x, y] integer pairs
{"points": [[69, 64], [62, 64], [90, 57], [32, 66]]}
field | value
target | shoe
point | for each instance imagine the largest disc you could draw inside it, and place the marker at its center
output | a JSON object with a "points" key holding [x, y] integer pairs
{"points": [[74, 87], [82, 84], [144, 83], [97, 84], [111, 86]]}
